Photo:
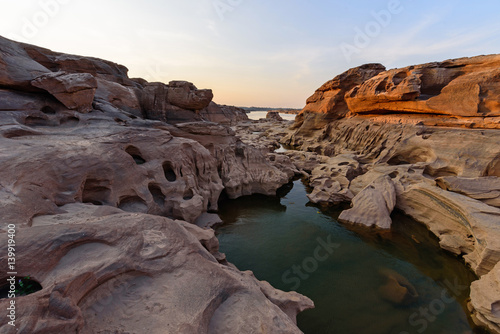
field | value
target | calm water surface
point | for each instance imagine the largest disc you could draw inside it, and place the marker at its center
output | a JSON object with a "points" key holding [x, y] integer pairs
{"points": [[256, 115], [284, 240]]}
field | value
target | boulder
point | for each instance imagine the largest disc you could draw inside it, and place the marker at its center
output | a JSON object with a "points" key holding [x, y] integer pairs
{"points": [[185, 95], [373, 205], [76, 91], [223, 114], [397, 289], [274, 116]]}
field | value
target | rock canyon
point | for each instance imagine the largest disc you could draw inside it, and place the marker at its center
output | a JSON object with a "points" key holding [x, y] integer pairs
{"points": [[111, 182]]}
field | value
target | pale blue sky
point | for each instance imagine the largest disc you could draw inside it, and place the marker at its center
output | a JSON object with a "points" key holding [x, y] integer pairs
{"points": [[256, 52]]}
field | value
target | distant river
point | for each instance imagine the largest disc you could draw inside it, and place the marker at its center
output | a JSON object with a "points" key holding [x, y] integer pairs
{"points": [[256, 115], [294, 245]]}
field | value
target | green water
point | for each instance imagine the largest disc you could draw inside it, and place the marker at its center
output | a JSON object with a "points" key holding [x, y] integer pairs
{"points": [[343, 271]]}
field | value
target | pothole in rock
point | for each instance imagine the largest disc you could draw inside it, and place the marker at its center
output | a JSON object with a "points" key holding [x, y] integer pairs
{"points": [[48, 110], [19, 286], [133, 204], [95, 191], [169, 172], [135, 153], [188, 194], [158, 195]]}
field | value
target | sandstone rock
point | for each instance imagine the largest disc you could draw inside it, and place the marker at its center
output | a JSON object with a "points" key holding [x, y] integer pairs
{"points": [[208, 220], [76, 91], [465, 87], [99, 68], [274, 116], [397, 289], [185, 95], [485, 189], [105, 182], [121, 97], [244, 170], [108, 272], [327, 103], [473, 227], [17, 69], [373, 205], [223, 114], [331, 179], [485, 300]]}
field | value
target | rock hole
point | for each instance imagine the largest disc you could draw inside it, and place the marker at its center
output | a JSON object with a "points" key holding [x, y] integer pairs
{"points": [[240, 152], [399, 77], [48, 110], [70, 121], [495, 309], [397, 160], [15, 133], [158, 196], [438, 172], [343, 164], [35, 121], [188, 194], [382, 87], [135, 154], [393, 175], [169, 172], [133, 204], [20, 286], [96, 192]]}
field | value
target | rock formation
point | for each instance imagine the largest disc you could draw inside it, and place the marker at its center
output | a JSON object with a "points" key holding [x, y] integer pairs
{"points": [[102, 176], [223, 114], [373, 205], [431, 131], [274, 116]]}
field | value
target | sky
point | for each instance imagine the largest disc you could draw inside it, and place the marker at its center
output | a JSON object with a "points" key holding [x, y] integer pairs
{"points": [[270, 53]]}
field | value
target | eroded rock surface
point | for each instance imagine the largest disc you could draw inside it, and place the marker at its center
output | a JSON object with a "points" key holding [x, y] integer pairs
{"points": [[373, 205], [103, 192], [107, 270], [432, 130]]}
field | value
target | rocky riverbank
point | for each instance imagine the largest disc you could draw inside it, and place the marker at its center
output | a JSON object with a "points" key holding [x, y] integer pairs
{"points": [[102, 176], [423, 139]]}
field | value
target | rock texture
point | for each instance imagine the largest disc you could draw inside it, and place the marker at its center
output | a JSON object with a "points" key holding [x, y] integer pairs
{"points": [[107, 188], [485, 189], [463, 88], [431, 131], [274, 116], [485, 300], [223, 114], [76, 91], [106, 270], [373, 205]]}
